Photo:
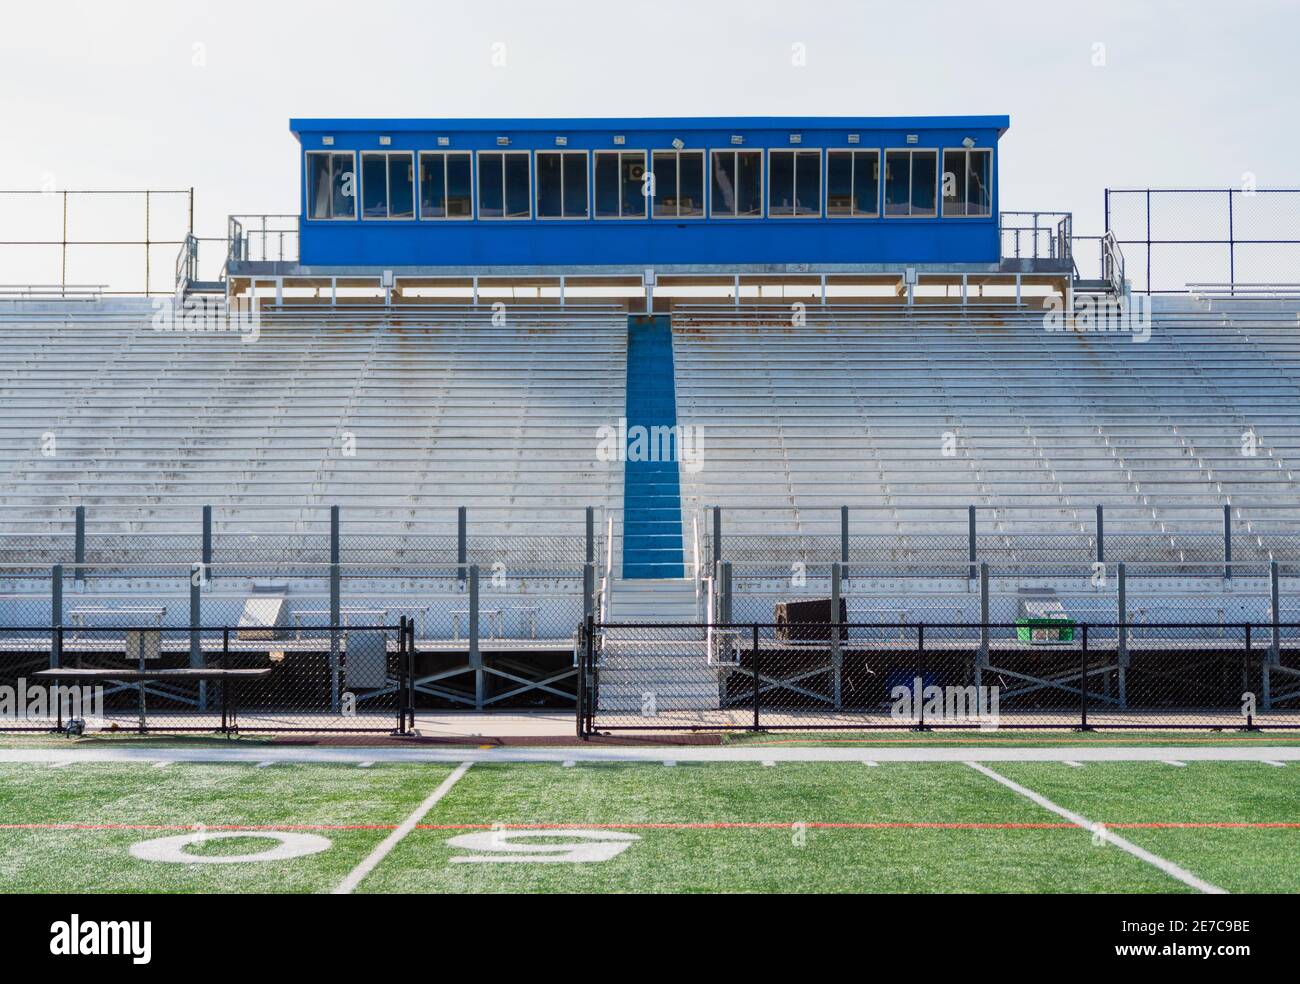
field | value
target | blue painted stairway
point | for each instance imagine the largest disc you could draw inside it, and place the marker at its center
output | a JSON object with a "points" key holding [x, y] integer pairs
{"points": [[652, 493]]}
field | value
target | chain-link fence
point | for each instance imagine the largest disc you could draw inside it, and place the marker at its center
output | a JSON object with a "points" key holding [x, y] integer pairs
{"points": [[1229, 239], [948, 541], [806, 672], [125, 674]]}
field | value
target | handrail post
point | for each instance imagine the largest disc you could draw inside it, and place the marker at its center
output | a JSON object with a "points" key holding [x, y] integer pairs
{"points": [[462, 545], [970, 539], [844, 537], [1101, 535], [79, 544], [1227, 543], [591, 535], [207, 542], [717, 534]]}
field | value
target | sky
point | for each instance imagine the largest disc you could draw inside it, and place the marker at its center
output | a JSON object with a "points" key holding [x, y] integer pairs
{"points": [[180, 94]]}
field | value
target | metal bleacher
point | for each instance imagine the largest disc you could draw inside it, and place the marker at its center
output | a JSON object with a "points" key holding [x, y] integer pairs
{"points": [[398, 421], [910, 418]]}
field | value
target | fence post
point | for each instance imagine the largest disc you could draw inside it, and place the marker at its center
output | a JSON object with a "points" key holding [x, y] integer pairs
{"points": [[402, 682], [207, 542], [196, 621], [1122, 641], [591, 534], [1083, 681], [475, 657], [79, 543], [725, 598], [588, 589], [56, 616], [462, 545], [1275, 646], [919, 695], [1101, 535], [844, 536], [1250, 718], [336, 590], [982, 657], [758, 683], [837, 658], [970, 539], [410, 670], [1227, 543], [580, 685]]}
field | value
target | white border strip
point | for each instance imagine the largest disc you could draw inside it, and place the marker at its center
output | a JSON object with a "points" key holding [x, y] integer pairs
{"points": [[355, 877], [1168, 867]]}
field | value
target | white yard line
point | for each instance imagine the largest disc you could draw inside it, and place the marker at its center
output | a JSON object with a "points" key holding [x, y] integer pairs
{"points": [[355, 877], [1168, 867], [1274, 763], [1073, 764], [264, 755]]}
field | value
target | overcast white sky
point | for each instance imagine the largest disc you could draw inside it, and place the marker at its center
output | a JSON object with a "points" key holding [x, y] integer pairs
{"points": [[174, 93]]}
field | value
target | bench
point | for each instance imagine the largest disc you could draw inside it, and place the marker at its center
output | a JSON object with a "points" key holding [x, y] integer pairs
{"points": [[229, 695]]}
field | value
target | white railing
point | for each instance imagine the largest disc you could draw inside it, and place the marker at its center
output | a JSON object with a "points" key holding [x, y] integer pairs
{"points": [[1036, 235], [1264, 291], [262, 238], [52, 292]]}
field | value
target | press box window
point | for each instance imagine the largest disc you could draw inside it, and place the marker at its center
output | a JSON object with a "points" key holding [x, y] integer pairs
{"points": [[910, 179], [331, 186], [445, 185], [853, 183], [679, 184], [388, 185], [967, 188], [794, 182], [503, 186], [737, 184], [562, 184], [620, 176]]}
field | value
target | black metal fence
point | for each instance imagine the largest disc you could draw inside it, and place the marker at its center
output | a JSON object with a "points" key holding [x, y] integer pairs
{"points": [[356, 678], [1031, 673], [1228, 237]]}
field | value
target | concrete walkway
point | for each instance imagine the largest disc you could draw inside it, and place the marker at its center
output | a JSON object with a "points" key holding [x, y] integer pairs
{"points": [[1082, 754]]}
